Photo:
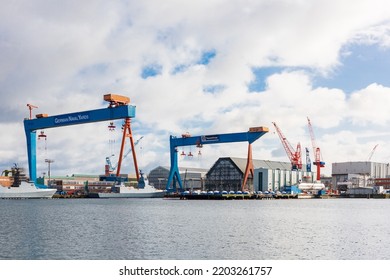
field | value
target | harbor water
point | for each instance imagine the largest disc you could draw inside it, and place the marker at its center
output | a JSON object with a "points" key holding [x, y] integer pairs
{"points": [[147, 229]]}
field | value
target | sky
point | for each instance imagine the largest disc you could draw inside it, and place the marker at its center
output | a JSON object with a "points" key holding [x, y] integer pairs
{"points": [[202, 67]]}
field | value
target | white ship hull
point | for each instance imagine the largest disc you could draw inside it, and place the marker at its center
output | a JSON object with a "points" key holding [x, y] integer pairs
{"points": [[144, 190], [311, 186], [130, 192], [134, 194], [305, 196], [26, 190]]}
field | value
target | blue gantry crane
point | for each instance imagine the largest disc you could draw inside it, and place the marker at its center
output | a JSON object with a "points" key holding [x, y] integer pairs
{"points": [[119, 108], [250, 136]]}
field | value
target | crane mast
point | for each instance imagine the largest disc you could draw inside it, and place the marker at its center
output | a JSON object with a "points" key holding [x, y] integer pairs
{"points": [[372, 152], [308, 161], [30, 108], [317, 152], [108, 160], [293, 155]]}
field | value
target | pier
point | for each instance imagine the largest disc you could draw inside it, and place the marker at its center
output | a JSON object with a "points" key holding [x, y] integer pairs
{"points": [[230, 196]]}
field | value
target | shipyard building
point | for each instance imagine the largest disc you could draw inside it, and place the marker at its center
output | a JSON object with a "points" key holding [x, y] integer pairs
{"points": [[82, 183], [360, 176], [192, 178], [228, 172]]}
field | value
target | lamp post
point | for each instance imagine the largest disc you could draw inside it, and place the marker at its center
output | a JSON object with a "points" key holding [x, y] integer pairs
{"points": [[49, 161]]}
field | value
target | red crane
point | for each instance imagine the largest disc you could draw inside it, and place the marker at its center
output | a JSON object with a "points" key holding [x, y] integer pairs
{"points": [[293, 155], [317, 152]]}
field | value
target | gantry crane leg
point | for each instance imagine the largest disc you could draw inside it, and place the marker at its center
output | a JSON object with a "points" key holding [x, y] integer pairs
{"points": [[249, 168], [127, 133]]}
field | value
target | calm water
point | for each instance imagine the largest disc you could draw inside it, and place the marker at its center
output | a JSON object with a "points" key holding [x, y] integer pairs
{"points": [[178, 229]]}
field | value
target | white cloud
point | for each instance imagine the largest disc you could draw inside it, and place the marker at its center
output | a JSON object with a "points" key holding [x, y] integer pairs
{"points": [[369, 106], [378, 34]]}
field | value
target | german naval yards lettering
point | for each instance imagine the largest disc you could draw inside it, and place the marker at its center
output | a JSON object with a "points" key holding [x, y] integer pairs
{"points": [[71, 118]]}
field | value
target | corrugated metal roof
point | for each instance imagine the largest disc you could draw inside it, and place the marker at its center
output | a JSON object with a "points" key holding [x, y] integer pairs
{"points": [[183, 169], [259, 163], [241, 164], [193, 169], [84, 176]]}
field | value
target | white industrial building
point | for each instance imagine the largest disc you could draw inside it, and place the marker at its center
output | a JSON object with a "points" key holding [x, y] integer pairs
{"points": [[358, 174], [276, 179]]}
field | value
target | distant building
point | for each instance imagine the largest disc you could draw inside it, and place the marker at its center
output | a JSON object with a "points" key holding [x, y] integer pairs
{"points": [[73, 184], [359, 174], [267, 179], [384, 182], [227, 174], [192, 178], [327, 181], [371, 169], [80, 183]]}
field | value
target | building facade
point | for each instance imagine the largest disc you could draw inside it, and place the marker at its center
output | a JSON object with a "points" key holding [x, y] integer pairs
{"points": [[192, 178], [359, 174], [269, 179], [227, 175]]}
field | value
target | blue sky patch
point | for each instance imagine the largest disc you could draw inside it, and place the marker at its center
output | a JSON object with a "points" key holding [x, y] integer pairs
{"points": [[207, 57], [95, 69], [179, 69], [196, 122], [361, 66], [213, 88], [261, 74], [151, 71]]}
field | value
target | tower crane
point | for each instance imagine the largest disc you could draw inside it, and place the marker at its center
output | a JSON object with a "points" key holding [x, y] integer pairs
{"points": [[108, 160], [293, 155], [317, 152], [31, 107]]}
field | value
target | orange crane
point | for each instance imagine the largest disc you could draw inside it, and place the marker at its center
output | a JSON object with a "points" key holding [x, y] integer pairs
{"points": [[293, 155], [31, 107], [317, 152]]}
